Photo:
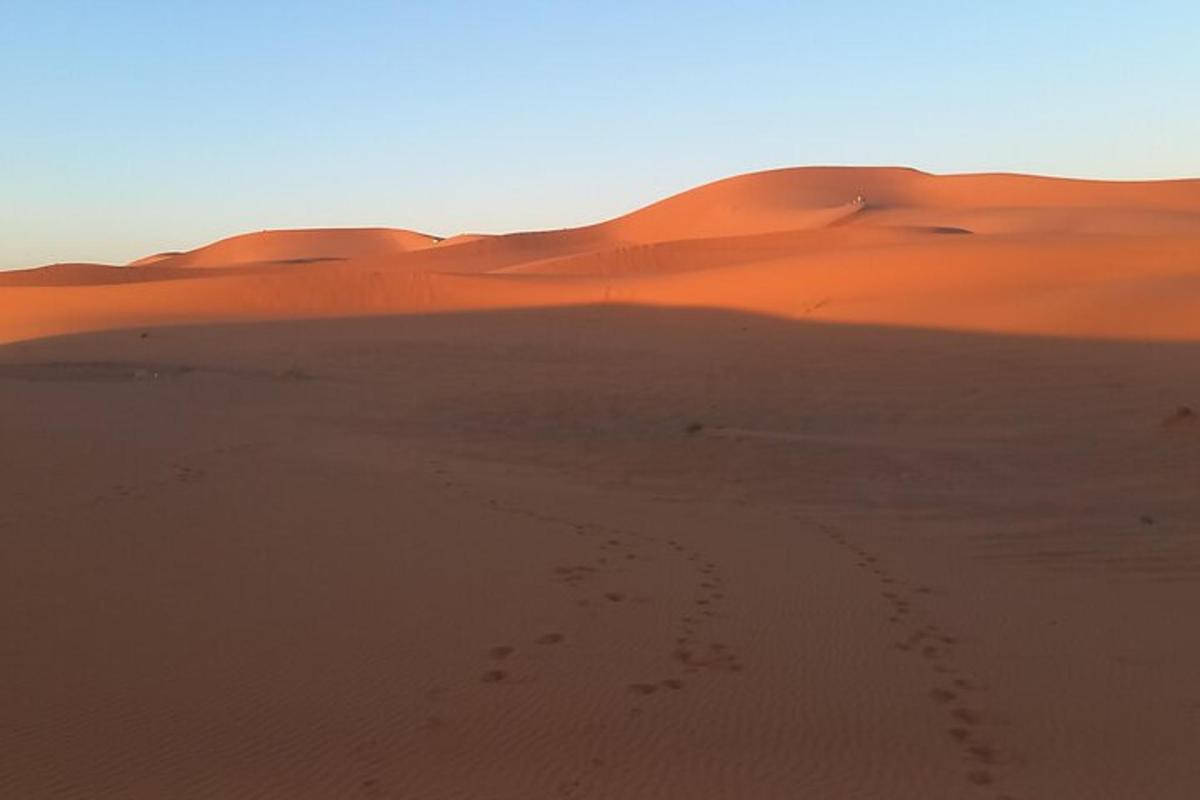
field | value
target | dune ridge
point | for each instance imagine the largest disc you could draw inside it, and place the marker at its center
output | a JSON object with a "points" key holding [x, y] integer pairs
{"points": [[993, 252], [296, 246]]}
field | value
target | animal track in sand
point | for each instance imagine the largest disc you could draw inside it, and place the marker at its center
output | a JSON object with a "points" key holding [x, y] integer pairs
{"points": [[573, 575], [983, 753], [185, 474], [943, 695], [691, 651], [967, 716], [617, 552], [936, 648], [980, 777]]}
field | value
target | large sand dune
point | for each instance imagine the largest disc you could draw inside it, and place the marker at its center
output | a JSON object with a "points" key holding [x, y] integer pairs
{"points": [[298, 247], [829, 483], [975, 252]]}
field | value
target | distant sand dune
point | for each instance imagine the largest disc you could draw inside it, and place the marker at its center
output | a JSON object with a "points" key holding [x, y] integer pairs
{"points": [[153, 259], [297, 246], [1043, 255], [86, 275]]}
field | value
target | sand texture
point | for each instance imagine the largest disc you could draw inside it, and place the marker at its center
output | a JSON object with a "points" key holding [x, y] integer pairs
{"points": [[817, 483]]}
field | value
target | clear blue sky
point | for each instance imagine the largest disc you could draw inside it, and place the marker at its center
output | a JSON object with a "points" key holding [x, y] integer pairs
{"points": [[132, 126]]}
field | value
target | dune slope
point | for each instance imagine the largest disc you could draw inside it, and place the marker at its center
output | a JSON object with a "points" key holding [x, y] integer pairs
{"points": [[984, 252], [297, 247]]}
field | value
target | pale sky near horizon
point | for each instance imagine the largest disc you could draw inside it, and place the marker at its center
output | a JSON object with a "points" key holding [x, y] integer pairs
{"points": [[132, 126]]}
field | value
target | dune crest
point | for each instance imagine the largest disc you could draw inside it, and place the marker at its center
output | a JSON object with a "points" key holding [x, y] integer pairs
{"points": [[996, 252], [296, 246], [154, 259]]}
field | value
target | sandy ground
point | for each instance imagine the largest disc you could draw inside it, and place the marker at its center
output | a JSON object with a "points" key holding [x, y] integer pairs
{"points": [[559, 532]]}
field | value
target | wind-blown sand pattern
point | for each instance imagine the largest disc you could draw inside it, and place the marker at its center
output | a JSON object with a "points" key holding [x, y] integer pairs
{"points": [[829, 483]]}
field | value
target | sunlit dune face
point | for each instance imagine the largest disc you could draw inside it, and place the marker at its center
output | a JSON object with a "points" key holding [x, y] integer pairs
{"points": [[871, 245]]}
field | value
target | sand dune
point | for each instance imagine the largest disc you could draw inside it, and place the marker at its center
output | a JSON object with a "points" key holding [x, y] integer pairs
{"points": [[1133, 221], [688, 255], [973, 252], [65, 275], [154, 258], [830, 483], [77, 275], [297, 246]]}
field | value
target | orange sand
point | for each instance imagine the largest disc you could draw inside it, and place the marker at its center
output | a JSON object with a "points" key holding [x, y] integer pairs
{"points": [[763, 491], [971, 252]]}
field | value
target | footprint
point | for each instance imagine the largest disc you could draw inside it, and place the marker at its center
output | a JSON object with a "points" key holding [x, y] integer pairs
{"points": [[980, 777], [494, 676], [943, 695], [615, 597], [983, 753], [643, 688], [550, 638], [967, 716]]}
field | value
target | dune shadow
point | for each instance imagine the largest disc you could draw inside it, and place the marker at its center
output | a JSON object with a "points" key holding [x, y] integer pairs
{"points": [[1033, 446], [90, 371]]}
